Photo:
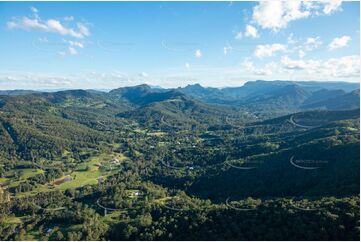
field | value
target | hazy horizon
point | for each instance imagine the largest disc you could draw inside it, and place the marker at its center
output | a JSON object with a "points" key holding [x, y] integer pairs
{"points": [[158, 86]]}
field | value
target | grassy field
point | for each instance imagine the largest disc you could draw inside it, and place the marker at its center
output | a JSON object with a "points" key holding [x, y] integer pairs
{"points": [[11, 220], [23, 174], [87, 173], [159, 133]]}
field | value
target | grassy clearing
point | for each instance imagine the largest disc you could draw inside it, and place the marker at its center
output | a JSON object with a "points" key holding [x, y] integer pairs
{"points": [[11, 220], [81, 179], [88, 172], [113, 217], [352, 129], [162, 144], [142, 131], [29, 172], [161, 201], [24, 174], [158, 134]]}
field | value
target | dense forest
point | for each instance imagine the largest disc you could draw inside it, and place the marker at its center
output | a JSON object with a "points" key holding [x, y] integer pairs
{"points": [[265, 161]]}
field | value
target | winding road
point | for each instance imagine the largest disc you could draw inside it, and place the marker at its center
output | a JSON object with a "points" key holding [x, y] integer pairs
{"points": [[238, 167], [238, 209], [291, 120]]}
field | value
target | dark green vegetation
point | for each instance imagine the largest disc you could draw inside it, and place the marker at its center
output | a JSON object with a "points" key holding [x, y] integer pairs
{"points": [[267, 161]]}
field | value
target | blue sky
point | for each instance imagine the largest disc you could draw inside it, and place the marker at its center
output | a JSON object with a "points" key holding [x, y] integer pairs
{"points": [[47, 45]]}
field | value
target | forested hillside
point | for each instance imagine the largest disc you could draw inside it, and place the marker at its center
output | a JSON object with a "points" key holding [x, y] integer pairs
{"points": [[265, 161]]}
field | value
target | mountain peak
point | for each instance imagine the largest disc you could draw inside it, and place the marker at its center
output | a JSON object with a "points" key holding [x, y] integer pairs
{"points": [[194, 86]]}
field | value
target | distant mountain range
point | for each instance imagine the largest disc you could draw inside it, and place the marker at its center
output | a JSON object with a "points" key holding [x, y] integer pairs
{"points": [[280, 94], [264, 99]]}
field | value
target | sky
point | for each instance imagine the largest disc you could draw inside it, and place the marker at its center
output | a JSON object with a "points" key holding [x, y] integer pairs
{"points": [[105, 45]]}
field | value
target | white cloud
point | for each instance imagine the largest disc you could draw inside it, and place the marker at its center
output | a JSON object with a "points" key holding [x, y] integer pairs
{"points": [[313, 43], [251, 31], [50, 25], [293, 64], [300, 46], [339, 42], [301, 54], [262, 72], [312, 40], [347, 66], [43, 40], [27, 24], [268, 50], [332, 6], [21, 80], [68, 18], [187, 65], [34, 10], [343, 67], [83, 29], [96, 80], [34, 22], [227, 49], [74, 43], [276, 15], [248, 66], [291, 40], [72, 51], [198, 53], [239, 36], [144, 74]]}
